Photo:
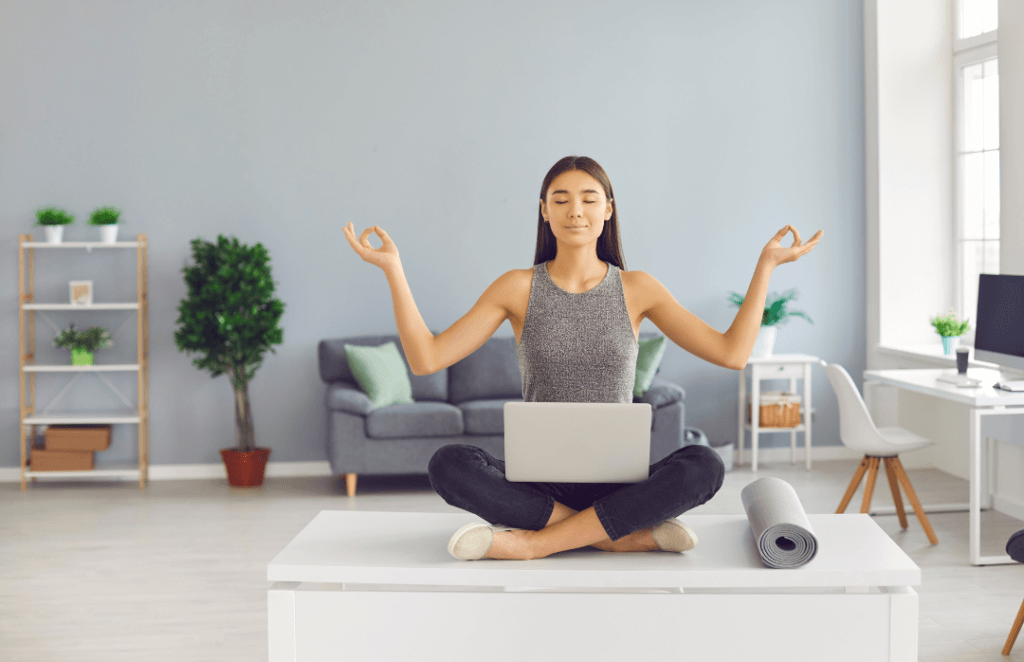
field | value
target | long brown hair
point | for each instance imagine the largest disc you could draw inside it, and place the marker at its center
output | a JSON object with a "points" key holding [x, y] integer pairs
{"points": [[609, 248]]}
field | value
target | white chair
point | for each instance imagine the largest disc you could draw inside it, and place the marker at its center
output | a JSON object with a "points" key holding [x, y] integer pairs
{"points": [[858, 431]]}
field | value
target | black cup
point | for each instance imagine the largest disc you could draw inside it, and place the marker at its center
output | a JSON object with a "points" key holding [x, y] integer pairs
{"points": [[962, 354]]}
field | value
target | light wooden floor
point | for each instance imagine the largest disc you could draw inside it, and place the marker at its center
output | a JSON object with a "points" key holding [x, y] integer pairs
{"points": [[100, 571]]}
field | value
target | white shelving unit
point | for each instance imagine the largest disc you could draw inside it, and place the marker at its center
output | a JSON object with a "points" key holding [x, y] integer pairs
{"points": [[134, 414]]}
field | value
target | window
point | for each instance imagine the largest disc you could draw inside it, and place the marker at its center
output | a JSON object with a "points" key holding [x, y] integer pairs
{"points": [[976, 117]]}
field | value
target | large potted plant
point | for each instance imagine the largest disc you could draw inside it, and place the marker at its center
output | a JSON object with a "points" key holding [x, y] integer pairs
{"points": [[231, 319], [950, 328], [774, 313], [53, 221], [106, 219], [83, 343]]}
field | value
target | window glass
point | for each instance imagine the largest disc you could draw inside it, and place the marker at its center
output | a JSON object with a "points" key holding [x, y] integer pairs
{"points": [[977, 17]]}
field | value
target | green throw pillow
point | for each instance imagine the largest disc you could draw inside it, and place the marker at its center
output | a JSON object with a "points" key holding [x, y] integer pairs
{"points": [[381, 373], [647, 361]]}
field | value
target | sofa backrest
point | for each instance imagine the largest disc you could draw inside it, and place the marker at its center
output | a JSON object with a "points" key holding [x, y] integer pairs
{"points": [[334, 366], [490, 372]]}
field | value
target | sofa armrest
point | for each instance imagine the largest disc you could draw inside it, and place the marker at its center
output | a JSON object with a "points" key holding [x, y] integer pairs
{"points": [[342, 396], [662, 393]]}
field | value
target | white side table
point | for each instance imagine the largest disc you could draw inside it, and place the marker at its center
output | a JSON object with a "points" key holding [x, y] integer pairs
{"points": [[778, 366]]}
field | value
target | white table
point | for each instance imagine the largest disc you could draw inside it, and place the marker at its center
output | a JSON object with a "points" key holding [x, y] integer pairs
{"points": [[983, 400], [381, 586], [778, 366]]}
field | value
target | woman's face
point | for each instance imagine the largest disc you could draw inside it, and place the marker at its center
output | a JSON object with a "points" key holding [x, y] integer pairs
{"points": [[576, 208]]}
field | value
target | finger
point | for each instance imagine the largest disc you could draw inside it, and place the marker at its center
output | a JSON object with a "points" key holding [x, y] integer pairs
{"points": [[383, 235], [796, 236], [782, 233]]}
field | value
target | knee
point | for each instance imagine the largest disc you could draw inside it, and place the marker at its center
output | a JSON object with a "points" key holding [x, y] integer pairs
{"points": [[701, 465], [447, 458]]}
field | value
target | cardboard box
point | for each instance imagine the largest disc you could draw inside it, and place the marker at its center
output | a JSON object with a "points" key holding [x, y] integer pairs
{"points": [[46, 460], [77, 438]]}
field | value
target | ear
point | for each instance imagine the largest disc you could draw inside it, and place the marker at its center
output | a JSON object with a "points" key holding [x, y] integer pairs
{"points": [[609, 208], [544, 210]]}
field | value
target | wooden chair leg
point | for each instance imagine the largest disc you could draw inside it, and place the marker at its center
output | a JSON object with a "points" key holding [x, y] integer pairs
{"points": [[350, 484], [869, 486], [857, 475], [1014, 631], [894, 487], [914, 501]]}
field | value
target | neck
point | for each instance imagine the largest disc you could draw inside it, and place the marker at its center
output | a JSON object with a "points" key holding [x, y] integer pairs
{"points": [[575, 263]]}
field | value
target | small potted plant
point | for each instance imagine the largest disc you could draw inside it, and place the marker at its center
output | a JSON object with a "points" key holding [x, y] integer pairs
{"points": [[950, 328], [106, 218], [774, 313], [230, 318], [83, 343], [53, 221]]}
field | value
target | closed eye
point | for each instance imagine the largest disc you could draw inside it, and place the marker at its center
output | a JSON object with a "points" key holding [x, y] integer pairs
{"points": [[589, 202]]}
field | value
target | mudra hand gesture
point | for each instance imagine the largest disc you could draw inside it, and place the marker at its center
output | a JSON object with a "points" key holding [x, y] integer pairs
{"points": [[384, 257], [775, 253]]}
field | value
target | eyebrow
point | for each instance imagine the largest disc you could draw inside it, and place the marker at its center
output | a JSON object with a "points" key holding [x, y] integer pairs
{"points": [[567, 193]]}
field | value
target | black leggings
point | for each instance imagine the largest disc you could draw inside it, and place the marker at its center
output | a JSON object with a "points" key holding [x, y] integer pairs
{"points": [[470, 478]]}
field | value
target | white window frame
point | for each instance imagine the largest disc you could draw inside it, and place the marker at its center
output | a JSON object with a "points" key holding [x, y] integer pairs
{"points": [[966, 52]]}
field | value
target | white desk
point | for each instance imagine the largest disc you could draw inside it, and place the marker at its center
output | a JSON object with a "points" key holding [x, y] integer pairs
{"points": [[983, 400], [359, 585], [779, 366]]}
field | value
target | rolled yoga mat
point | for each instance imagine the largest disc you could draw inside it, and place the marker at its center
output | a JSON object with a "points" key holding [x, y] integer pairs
{"points": [[1015, 546], [779, 523]]}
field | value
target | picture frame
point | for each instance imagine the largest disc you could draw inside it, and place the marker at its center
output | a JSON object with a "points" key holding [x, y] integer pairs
{"points": [[81, 292]]}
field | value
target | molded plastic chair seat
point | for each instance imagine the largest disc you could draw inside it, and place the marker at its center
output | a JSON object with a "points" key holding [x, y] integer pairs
{"points": [[857, 430]]}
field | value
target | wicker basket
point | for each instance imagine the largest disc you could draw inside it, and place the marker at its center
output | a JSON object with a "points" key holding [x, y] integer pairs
{"points": [[779, 409]]}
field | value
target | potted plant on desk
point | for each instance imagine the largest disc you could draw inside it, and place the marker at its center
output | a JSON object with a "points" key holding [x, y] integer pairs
{"points": [[106, 219], [774, 312], [950, 328], [53, 221], [83, 343], [230, 317]]}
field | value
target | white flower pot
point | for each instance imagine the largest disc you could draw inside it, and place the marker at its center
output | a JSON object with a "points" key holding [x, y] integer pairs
{"points": [[108, 233], [54, 233], [765, 343]]}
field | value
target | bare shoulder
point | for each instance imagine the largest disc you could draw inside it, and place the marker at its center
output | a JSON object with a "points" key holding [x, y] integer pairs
{"points": [[643, 289], [510, 289]]}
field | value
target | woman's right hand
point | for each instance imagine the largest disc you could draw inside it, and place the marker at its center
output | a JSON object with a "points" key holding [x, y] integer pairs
{"points": [[385, 257]]}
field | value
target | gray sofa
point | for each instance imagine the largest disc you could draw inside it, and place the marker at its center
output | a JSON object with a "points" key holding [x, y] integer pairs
{"points": [[461, 404]]}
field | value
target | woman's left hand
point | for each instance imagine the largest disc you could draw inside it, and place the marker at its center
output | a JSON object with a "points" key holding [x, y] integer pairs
{"points": [[775, 253]]}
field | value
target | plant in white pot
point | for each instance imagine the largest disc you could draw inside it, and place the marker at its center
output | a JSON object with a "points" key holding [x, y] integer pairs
{"points": [[53, 221], [950, 328], [83, 343], [774, 313], [106, 218], [231, 318]]}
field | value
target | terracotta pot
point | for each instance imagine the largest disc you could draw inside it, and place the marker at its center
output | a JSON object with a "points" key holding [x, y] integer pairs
{"points": [[245, 468]]}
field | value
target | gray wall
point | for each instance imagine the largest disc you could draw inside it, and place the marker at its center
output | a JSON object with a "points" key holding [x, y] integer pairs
{"points": [[277, 122]]}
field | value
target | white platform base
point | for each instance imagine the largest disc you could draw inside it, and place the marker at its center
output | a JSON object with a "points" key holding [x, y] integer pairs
{"points": [[380, 586]]}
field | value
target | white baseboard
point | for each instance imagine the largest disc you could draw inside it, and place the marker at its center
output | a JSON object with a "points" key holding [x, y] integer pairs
{"points": [[824, 453], [1009, 506], [199, 471]]}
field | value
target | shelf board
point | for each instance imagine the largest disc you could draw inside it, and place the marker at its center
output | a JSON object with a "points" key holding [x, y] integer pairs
{"points": [[131, 367], [79, 419], [81, 244], [797, 428], [98, 473], [79, 306]]}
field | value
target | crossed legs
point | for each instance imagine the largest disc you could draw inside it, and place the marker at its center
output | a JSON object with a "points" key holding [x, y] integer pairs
{"points": [[566, 529]]}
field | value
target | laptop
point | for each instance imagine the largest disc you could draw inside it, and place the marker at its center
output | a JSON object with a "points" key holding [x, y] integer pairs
{"points": [[577, 442]]}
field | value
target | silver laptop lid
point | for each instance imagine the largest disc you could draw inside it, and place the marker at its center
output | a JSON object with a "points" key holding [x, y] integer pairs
{"points": [[577, 442]]}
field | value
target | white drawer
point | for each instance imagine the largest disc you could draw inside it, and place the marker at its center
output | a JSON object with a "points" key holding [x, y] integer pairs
{"points": [[778, 371]]}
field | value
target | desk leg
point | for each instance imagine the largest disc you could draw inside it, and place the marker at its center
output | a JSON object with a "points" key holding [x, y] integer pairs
{"points": [[792, 434], [755, 414], [281, 621], [974, 478], [807, 414], [742, 416]]}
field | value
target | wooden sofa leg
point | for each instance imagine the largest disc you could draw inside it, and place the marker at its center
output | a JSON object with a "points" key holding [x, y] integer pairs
{"points": [[350, 484]]}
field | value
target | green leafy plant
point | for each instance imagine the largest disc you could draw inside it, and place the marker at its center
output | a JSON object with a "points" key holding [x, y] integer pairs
{"points": [[231, 318], [949, 325], [89, 340], [775, 307], [105, 216], [53, 216]]}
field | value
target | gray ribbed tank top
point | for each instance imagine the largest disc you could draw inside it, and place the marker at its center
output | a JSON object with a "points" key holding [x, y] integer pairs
{"points": [[577, 347]]}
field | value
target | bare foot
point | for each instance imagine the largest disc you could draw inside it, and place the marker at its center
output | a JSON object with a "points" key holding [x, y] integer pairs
{"points": [[515, 544]]}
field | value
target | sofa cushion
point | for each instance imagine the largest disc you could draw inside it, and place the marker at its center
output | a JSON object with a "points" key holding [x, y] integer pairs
{"points": [[648, 361], [418, 419], [342, 396], [662, 393], [492, 371], [334, 366], [485, 416], [381, 373]]}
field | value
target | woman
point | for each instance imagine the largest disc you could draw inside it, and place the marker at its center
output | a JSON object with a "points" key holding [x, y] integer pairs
{"points": [[577, 298]]}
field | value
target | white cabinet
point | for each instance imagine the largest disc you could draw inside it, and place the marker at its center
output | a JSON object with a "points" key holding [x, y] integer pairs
{"points": [[779, 366], [133, 414]]}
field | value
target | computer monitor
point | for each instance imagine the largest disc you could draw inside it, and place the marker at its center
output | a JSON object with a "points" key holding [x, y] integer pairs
{"points": [[999, 325]]}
